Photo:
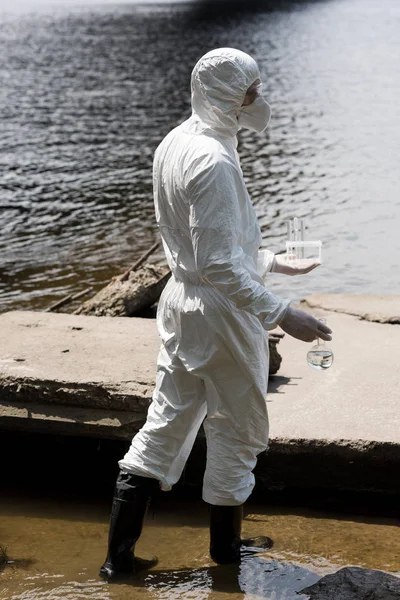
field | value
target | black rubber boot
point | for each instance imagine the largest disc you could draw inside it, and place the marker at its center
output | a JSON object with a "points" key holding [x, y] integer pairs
{"points": [[131, 500], [225, 535]]}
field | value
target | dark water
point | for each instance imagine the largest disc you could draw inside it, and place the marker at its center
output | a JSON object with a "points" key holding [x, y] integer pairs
{"points": [[87, 93]]}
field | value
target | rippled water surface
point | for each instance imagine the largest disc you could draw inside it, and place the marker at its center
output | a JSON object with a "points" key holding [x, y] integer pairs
{"points": [[58, 547], [87, 93]]}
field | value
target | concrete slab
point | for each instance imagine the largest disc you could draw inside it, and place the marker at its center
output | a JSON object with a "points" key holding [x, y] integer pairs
{"points": [[337, 429], [356, 399], [99, 362], [76, 375], [94, 376]]}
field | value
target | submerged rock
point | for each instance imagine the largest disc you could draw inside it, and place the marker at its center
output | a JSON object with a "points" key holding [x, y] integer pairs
{"points": [[355, 583], [124, 298]]}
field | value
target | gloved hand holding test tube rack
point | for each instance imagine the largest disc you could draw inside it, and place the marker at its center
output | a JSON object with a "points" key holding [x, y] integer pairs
{"points": [[297, 248]]}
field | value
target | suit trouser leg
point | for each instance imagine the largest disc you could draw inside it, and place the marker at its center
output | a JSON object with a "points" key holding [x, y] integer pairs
{"points": [[161, 448], [157, 455], [236, 431]]}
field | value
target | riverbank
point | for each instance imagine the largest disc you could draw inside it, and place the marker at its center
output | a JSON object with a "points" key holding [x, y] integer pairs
{"points": [[335, 430]]}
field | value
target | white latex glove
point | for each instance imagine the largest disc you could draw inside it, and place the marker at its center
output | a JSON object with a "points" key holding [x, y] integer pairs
{"points": [[303, 326], [299, 266]]}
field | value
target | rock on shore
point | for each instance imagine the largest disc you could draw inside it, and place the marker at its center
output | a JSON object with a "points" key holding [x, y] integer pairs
{"points": [[124, 298], [355, 583]]}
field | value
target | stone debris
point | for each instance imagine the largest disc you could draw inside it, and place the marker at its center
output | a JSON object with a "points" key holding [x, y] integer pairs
{"points": [[141, 289], [355, 583], [275, 359], [125, 298]]}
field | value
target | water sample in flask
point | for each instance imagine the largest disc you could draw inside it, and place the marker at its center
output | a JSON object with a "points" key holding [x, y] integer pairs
{"points": [[320, 356]]}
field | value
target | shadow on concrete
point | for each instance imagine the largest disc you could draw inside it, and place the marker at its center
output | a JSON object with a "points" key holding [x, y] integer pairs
{"points": [[208, 10], [276, 382]]}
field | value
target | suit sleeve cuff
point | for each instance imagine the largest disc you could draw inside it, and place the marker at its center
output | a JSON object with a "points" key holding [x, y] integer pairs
{"points": [[265, 261]]}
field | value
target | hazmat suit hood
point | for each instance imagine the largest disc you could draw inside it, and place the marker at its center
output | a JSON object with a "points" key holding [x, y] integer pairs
{"points": [[219, 83]]}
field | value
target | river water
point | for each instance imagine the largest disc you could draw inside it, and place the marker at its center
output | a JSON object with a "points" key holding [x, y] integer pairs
{"points": [[58, 547], [87, 93]]}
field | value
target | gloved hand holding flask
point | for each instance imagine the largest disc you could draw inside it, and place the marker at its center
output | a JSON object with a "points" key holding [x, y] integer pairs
{"points": [[303, 326], [320, 356]]}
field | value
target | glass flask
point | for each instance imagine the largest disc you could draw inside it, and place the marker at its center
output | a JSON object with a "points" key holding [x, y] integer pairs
{"points": [[320, 356]]}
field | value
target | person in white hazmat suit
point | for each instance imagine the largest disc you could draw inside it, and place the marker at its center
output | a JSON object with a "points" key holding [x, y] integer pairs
{"points": [[213, 316]]}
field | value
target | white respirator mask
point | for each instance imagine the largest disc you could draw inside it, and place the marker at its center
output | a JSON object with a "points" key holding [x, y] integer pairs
{"points": [[255, 116]]}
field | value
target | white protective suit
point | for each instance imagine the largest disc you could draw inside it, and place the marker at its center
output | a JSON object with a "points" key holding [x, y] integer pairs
{"points": [[215, 311]]}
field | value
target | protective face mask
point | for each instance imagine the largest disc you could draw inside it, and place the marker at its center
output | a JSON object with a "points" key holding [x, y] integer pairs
{"points": [[255, 116]]}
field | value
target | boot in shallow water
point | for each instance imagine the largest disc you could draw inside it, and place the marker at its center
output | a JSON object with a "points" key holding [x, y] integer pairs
{"points": [[225, 535], [131, 500]]}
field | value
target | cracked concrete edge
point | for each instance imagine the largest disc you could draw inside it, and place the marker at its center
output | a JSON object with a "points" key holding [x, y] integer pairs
{"points": [[335, 465], [93, 416], [341, 465], [59, 427], [346, 449], [327, 304], [89, 394], [70, 420], [352, 465]]}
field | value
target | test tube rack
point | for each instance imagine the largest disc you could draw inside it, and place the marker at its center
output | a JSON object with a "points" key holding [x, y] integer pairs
{"points": [[297, 247]]}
